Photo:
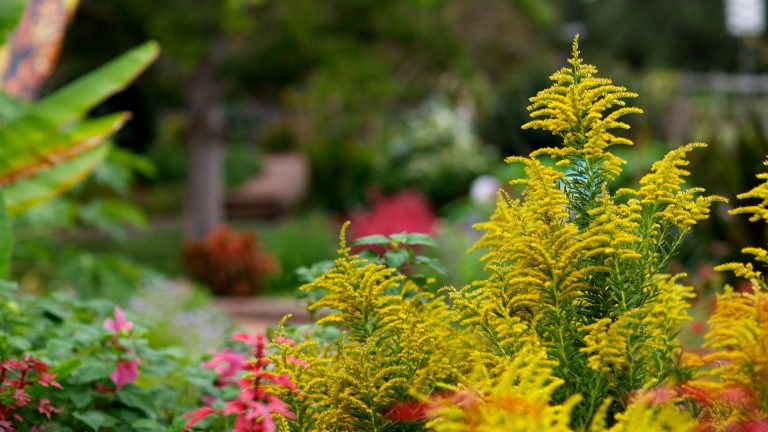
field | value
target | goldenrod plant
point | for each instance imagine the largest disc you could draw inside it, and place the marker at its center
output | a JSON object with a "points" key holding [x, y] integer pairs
{"points": [[731, 391], [574, 327]]}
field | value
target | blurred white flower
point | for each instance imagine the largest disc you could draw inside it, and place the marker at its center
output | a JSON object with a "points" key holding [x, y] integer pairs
{"points": [[483, 189]]}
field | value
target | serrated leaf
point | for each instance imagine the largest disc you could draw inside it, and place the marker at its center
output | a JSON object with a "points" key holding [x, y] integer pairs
{"points": [[96, 419], [370, 255], [81, 397], [396, 258], [401, 237], [92, 370], [375, 240], [432, 263]]}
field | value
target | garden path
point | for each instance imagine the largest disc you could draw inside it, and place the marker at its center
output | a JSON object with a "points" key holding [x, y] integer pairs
{"points": [[257, 314]]}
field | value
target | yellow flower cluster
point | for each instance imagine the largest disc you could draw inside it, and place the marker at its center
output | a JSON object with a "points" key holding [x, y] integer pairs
{"points": [[641, 337], [739, 338], [663, 189], [646, 414], [392, 341], [582, 109], [576, 308], [354, 289], [520, 400], [758, 211]]}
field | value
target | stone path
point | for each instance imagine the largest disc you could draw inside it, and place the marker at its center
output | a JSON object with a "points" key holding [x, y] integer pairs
{"points": [[256, 314]]}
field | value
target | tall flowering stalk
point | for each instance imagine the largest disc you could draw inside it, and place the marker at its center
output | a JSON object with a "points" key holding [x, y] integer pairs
{"points": [[127, 368], [256, 406]]}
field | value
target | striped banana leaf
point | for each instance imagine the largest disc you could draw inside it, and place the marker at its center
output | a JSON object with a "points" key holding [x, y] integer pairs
{"points": [[48, 147]]}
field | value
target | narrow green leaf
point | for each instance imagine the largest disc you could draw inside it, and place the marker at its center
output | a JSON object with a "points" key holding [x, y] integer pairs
{"points": [[29, 153], [10, 13], [75, 99], [35, 190], [5, 239]]}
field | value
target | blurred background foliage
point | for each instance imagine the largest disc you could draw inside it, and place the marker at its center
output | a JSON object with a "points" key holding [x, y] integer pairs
{"points": [[380, 98]]}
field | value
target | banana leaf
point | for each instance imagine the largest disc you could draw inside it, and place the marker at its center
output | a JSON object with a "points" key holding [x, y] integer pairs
{"points": [[48, 184], [46, 149], [10, 13]]}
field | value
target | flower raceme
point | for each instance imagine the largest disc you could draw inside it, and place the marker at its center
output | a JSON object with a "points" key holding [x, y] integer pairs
{"points": [[256, 404], [118, 324], [127, 369]]}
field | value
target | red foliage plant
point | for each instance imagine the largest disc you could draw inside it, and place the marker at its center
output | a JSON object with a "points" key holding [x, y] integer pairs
{"points": [[17, 377], [405, 211], [229, 262]]}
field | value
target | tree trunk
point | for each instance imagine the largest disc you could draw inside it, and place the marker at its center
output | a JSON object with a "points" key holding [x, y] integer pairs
{"points": [[205, 182]]}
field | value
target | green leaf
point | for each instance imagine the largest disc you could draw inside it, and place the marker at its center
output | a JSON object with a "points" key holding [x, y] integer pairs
{"points": [[96, 419], [81, 397], [66, 368], [396, 258], [48, 184], [136, 397], [29, 151], [401, 237], [92, 370], [77, 98], [420, 239], [147, 425], [5, 239], [370, 255], [432, 263], [44, 152], [10, 13], [376, 239]]}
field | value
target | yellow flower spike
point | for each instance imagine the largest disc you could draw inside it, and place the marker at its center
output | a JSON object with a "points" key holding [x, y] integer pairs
{"points": [[582, 109]]}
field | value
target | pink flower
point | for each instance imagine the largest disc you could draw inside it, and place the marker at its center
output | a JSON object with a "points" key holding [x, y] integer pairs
{"points": [[249, 339], [227, 363], [126, 372], [119, 323]]}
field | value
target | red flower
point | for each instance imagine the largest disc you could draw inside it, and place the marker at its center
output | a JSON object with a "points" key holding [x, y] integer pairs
{"points": [[196, 416], [254, 406], [406, 211]]}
